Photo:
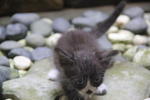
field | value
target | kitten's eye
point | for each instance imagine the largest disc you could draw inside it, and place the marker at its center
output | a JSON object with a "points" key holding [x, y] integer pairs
{"points": [[80, 82]]}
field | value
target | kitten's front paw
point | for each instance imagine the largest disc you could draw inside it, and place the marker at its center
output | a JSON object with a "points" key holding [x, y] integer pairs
{"points": [[53, 74], [101, 90]]}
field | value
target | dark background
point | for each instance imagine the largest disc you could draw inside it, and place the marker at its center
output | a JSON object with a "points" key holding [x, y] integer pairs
{"points": [[8, 7]]}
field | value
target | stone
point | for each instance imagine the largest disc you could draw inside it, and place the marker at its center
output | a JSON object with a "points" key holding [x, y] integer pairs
{"points": [[16, 31], [104, 43], [142, 57], [9, 44], [4, 74], [95, 16], [22, 63], [137, 26], [22, 42], [42, 27], [19, 52], [113, 29], [122, 20], [89, 20], [87, 29], [60, 25], [91, 13], [130, 53], [14, 73], [134, 12], [140, 40], [122, 36], [53, 39], [34, 85], [25, 18], [41, 53], [119, 47], [4, 61], [147, 19], [126, 81], [22, 73], [2, 33], [35, 40]]}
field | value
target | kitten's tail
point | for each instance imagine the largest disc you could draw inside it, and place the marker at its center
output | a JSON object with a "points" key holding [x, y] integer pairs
{"points": [[104, 26]]}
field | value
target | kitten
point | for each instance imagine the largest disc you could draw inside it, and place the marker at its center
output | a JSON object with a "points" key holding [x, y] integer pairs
{"points": [[80, 63]]}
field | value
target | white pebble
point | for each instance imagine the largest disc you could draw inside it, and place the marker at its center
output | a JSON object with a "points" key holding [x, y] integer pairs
{"points": [[22, 62], [22, 73], [139, 40], [122, 20], [47, 20], [122, 36], [52, 40], [113, 29]]}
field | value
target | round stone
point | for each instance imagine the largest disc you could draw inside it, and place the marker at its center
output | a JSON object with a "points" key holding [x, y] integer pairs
{"points": [[10, 44], [60, 25], [4, 61], [142, 57], [113, 29], [88, 20], [19, 52], [52, 40], [137, 26], [22, 73], [4, 73], [41, 53], [140, 40], [122, 36], [134, 12], [25, 18], [104, 43], [91, 13], [35, 40], [22, 63], [2, 33], [16, 31], [42, 27], [122, 20]]}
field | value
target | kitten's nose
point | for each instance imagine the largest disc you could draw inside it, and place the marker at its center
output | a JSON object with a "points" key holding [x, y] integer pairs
{"points": [[88, 91]]}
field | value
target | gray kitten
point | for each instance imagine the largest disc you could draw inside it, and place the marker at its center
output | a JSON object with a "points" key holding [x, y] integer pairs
{"points": [[80, 63]]}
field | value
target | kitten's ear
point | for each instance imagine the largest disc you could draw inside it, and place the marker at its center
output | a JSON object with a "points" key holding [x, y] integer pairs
{"points": [[63, 54], [106, 57]]}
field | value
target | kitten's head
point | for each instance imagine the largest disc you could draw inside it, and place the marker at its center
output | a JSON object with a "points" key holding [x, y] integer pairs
{"points": [[85, 70]]}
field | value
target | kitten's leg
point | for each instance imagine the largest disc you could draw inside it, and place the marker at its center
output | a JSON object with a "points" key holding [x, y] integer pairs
{"points": [[71, 92], [101, 90], [53, 74]]}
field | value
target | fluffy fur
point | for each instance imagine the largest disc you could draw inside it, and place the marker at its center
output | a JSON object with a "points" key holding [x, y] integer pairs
{"points": [[81, 63]]}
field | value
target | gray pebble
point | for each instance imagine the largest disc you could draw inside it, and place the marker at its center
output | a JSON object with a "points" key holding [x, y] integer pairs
{"points": [[137, 26], [41, 53], [134, 12], [8, 45], [19, 52], [4, 61], [42, 27], [2, 33], [93, 13], [4, 73], [35, 40], [60, 25], [25, 18], [16, 31], [89, 20]]}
